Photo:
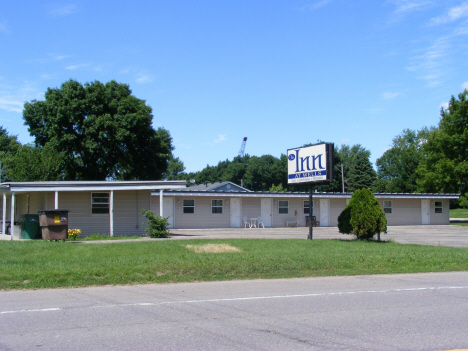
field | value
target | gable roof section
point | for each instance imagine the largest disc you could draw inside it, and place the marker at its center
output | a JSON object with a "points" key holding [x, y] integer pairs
{"points": [[220, 186]]}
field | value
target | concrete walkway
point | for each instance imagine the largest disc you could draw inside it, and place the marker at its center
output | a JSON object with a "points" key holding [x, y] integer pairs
{"points": [[437, 235]]}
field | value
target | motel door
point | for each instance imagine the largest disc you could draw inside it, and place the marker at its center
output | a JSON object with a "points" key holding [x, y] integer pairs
{"points": [[169, 210], [236, 212], [425, 212], [265, 212], [325, 212]]}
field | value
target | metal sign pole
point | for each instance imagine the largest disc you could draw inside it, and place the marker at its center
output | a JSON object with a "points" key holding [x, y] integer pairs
{"points": [[310, 213]]}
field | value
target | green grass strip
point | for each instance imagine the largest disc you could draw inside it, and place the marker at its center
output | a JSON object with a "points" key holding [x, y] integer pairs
{"points": [[459, 213], [41, 264]]}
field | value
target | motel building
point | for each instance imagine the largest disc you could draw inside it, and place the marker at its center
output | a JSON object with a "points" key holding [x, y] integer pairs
{"points": [[113, 207]]}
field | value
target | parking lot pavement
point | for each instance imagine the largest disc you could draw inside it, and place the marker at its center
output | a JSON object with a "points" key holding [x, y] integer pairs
{"points": [[437, 235]]}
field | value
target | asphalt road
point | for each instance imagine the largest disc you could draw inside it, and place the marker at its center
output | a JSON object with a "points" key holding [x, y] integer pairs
{"points": [[381, 312]]}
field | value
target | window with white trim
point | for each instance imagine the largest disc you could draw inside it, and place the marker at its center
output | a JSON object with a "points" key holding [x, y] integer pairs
{"points": [[387, 206], [99, 203], [306, 207], [188, 206], [438, 205], [283, 206], [216, 206]]}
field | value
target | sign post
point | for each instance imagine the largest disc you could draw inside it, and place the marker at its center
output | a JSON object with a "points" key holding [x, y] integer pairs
{"points": [[311, 165]]}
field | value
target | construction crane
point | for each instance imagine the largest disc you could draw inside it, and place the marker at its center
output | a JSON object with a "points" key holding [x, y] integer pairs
{"points": [[242, 149]]}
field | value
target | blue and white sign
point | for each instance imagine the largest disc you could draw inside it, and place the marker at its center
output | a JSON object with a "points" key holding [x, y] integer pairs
{"points": [[310, 164]]}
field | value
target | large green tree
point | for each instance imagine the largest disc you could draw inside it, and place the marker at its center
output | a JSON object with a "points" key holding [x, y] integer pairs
{"points": [[31, 163], [9, 145], [445, 165], [358, 170], [102, 131], [264, 171], [396, 168]]}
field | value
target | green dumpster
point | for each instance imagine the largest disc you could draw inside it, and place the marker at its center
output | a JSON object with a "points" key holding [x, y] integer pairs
{"points": [[30, 226]]}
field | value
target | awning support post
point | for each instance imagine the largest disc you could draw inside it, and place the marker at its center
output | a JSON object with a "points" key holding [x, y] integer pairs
{"points": [[161, 203], [12, 214], [310, 213], [111, 213], [4, 217]]}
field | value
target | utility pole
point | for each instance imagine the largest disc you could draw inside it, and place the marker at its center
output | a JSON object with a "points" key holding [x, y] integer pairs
{"points": [[342, 178]]}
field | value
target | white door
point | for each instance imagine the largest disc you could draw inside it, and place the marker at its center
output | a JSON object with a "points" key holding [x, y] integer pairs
{"points": [[235, 212], [324, 212], [266, 207], [169, 210], [425, 212]]}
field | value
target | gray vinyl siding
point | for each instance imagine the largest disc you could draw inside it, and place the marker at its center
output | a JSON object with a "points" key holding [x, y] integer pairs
{"points": [[79, 216], [127, 206], [440, 218], [295, 205], [336, 207], [404, 212], [202, 216], [251, 207]]}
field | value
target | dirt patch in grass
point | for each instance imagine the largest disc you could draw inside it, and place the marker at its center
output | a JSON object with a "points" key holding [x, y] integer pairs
{"points": [[213, 248]]}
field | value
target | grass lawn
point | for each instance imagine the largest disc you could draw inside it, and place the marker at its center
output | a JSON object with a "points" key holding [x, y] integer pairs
{"points": [[459, 213], [462, 224], [42, 264]]}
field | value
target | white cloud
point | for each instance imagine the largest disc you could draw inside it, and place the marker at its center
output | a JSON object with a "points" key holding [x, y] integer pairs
{"points": [[220, 138], [452, 14], [143, 78], [344, 141], [405, 6], [315, 6], [9, 103], [444, 105], [465, 86], [434, 61], [374, 110], [64, 10], [58, 57], [389, 95], [74, 67], [4, 28]]}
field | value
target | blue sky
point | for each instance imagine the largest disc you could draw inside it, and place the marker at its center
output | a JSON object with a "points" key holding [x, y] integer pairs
{"points": [[282, 73]]}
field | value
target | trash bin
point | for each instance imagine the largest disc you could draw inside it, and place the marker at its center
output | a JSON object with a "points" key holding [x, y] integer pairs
{"points": [[30, 226], [54, 224]]}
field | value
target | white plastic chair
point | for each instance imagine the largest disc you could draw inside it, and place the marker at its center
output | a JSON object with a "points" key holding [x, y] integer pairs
{"points": [[245, 222], [260, 223]]}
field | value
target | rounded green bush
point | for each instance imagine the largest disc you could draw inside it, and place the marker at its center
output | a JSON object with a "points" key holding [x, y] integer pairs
{"points": [[362, 216]]}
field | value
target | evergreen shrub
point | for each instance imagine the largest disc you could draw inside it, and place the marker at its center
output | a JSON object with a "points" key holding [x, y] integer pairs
{"points": [[363, 216]]}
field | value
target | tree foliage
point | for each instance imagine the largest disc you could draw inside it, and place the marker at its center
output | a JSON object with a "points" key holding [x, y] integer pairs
{"points": [[362, 216], [102, 131], [396, 169], [445, 165], [30, 163], [9, 145], [358, 170]]}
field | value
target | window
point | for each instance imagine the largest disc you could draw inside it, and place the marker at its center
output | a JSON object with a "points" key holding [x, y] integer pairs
{"points": [[189, 206], [216, 206], [438, 206], [100, 203], [306, 207], [283, 207], [387, 206]]}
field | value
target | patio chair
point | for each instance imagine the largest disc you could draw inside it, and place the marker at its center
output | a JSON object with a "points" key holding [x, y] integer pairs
{"points": [[260, 223], [245, 222]]}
